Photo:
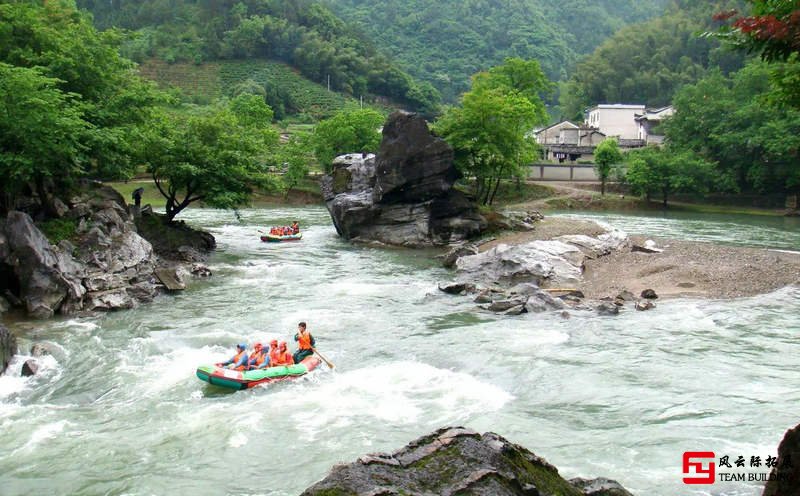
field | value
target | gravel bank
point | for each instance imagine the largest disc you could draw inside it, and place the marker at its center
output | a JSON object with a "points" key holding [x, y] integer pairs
{"points": [[685, 268]]}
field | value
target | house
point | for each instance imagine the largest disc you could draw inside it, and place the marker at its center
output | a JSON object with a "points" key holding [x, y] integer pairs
{"points": [[648, 124], [617, 121], [569, 142], [551, 134]]}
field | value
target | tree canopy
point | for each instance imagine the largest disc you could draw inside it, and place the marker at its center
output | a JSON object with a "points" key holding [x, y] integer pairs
{"points": [[648, 62], [606, 155], [349, 131], [217, 157], [489, 131], [445, 42], [85, 104]]}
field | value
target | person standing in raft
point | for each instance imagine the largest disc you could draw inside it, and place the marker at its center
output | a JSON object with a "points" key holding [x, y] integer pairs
{"points": [[258, 359], [305, 343], [295, 228], [239, 360], [283, 357]]}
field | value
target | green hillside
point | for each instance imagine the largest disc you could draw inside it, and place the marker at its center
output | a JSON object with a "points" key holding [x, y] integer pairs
{"points": [[444, 42], [206, 81], [301, 33], [648, 62]]}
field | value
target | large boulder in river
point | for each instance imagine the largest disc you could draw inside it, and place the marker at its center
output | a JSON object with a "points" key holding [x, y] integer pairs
{"points": [[8, 346], [404, 195], [451, 461], [784, 480]]}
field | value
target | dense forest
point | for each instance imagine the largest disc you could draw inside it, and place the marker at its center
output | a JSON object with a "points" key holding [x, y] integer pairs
{"points": [[302, 33], [447, 41], [648, 62]]}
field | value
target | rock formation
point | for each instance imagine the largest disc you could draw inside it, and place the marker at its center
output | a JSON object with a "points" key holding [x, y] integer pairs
{"points": [[543, 263], [106, 265], [404, 195], [8, 346], [784, 480], [457, 461]]}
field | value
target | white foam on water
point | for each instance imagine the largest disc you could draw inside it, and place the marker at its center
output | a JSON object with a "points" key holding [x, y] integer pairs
{"points": [[237, 440], [45, 432], [397, 393]]}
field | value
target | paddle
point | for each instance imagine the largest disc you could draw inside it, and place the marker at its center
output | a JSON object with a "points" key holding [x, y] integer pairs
{"points": [[327, 362]]}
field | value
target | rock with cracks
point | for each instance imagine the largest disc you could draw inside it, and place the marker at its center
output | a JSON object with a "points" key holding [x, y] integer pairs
{"points": [[404, 196], [451, 461]]}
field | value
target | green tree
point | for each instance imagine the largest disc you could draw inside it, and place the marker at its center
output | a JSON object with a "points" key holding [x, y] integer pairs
{"points": [[488, 135], [41, 131], [349, 131], [63, 44], [665, 171], [251, 110], [295, 158], [211, 158], [606, 155]]}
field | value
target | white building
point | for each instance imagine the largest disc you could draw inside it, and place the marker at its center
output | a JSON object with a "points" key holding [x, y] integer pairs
{"points": [[616, 120], [648, 123]]}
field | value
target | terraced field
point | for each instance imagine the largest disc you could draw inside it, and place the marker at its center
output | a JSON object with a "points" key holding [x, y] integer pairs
{"points": [[211, 80]]}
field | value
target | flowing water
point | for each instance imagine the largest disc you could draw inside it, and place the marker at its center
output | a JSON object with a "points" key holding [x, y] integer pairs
{"points": [[117, 408]]}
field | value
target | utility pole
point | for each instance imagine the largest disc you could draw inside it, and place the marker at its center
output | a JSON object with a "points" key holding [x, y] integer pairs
{"points": [[329, 82]]}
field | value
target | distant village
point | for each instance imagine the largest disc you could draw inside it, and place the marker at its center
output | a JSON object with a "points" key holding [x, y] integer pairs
{"points": [[633, 126]]}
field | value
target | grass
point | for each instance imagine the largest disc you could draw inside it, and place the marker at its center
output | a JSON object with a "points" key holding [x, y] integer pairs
{"points": [[307, 192], [151, 194], [58, 229], [208, 81]]}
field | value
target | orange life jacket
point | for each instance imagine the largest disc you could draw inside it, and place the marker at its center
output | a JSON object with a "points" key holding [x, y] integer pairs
{"points": [[273, 356], [239, 357], [304, 340], [261, 357], [284, 358]]}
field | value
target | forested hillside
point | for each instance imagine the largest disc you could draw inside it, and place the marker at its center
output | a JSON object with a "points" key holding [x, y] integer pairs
{"points": [[648, 62], [444, 42], [301, 33]]}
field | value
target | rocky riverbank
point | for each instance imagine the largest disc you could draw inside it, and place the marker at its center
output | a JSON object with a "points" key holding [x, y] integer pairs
{"points": [[565, 263], [111, 257], [457, 461]]}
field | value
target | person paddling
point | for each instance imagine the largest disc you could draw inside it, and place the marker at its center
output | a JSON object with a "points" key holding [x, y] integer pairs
{"points": [[239, 360], [283, 357], [305, 343], [258, 359], [295, 227]]}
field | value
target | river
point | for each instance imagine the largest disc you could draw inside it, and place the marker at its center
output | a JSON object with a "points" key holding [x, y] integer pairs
{"points": [[118, 410]]}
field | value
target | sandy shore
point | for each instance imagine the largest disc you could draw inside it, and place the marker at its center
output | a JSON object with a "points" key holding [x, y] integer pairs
{"points": [[685, 268]]}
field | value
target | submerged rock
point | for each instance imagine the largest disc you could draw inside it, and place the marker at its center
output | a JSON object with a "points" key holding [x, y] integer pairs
{"points": [[457, 288], [8, 346], [608, 309], [403, 196], [459, 251], [451, 461], [600, 487], [29, 368]]}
